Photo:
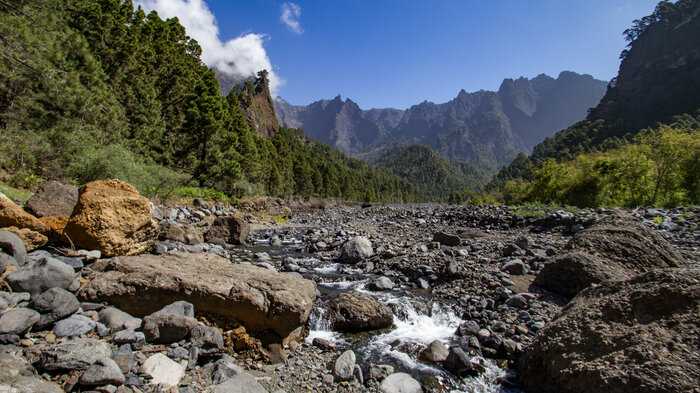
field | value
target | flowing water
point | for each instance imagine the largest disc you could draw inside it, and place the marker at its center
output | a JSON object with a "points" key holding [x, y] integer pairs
{"points": [[419, 319]]}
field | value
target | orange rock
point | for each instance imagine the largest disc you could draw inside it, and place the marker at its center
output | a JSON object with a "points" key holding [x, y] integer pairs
{"points": [[111, 216], [32, 240], [11, 215], [55, 223]]}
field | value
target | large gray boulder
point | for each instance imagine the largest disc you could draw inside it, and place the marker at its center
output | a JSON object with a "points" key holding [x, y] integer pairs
{"points": [[36, 278], [167, 328], [344, 366], [357, 312], [635, 335], [53, 199], [356, 249], [616, 248], [262, 300]]}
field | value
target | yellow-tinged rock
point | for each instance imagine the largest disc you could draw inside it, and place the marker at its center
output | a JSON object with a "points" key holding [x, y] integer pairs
{"points": [[111, 216], [55, 223], [32, 240], [11, 215]]}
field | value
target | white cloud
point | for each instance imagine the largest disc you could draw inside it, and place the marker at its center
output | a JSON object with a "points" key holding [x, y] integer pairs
{"points": [[290, 17], [240, 57]]}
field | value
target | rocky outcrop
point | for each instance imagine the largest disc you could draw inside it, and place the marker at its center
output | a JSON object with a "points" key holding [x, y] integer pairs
{"points": [[53, 199], [615, 248], [112, 217], [258, 298], [636, 335], [357, 312]]}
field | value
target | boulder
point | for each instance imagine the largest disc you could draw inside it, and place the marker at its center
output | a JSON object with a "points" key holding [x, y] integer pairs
{"points": [[103, 372], [178, 308], [111, 216], [117, 320], [232, 230], [635, 335], [357, 312], [11, 215], [400, 383], [17, 320], [6, 262], [615, 248], [54, 304], [163, 370], [75, 354], [206, 337], [382, 284], [258, 298], [167, 328], [36, 278], [53, 199], [516, 267], [356, 249], [435, 352], [73, 326], [12, 245], [458, 363], [31, 239], [344, 366], [447, 239]]}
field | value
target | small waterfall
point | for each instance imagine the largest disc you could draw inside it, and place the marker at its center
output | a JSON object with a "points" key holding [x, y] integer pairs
{"points": [[320, 326]]}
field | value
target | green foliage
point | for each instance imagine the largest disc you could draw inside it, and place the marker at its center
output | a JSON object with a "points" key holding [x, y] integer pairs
{"points": [[115, 162], [660, 168], [200, 192]]}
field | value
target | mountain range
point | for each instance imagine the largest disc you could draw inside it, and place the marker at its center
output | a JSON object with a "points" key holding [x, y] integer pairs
{"points": [[485, 127]]}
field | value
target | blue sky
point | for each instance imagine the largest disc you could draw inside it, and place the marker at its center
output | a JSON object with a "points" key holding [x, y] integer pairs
{"points": [[399, 53]]}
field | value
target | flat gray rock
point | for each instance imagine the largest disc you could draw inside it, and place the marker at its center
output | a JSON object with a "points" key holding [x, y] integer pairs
{"points": [[181, 307], [18, 375], [116, 319], [76, 325], [17, 320], [76, 354]]}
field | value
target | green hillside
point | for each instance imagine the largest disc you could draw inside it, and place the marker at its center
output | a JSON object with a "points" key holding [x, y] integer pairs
{"points": [[95, 89]]}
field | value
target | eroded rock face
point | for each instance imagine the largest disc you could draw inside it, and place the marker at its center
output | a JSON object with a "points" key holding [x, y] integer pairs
{"points": [[53, 199], [260, 299], [357, 312], [615, 248], [636, 335], [111, 216]]}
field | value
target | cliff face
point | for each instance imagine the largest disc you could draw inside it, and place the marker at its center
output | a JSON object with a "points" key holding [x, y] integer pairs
{"points": [[257, 105], [660, 75], [482, 127]]}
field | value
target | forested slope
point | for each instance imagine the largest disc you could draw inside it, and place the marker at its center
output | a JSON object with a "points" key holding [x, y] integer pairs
{"points": [[93, 88]]}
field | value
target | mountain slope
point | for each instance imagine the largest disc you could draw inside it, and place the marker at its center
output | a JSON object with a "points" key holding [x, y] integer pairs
{"points": [[431, 174], [658, 81], [486, 128]]}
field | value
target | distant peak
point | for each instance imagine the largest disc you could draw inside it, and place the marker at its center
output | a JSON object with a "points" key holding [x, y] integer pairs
{"points": [[338, 98]]}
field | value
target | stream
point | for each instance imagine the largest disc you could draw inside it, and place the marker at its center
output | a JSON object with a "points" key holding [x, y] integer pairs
{"points": [[419, 318]]}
